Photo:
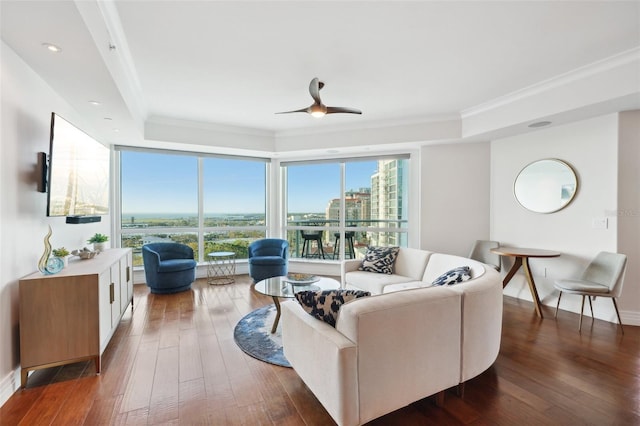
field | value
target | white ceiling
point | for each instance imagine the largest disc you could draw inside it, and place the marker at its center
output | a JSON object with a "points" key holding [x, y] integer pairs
{"points": [[236, 63]]}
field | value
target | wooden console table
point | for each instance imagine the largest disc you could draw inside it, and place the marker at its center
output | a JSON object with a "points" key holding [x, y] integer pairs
{"points": [[522, 256], [71, 316]]}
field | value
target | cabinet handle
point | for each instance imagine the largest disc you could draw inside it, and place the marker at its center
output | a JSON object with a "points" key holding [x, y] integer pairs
{"points": [[128, 273], [111, 293]]}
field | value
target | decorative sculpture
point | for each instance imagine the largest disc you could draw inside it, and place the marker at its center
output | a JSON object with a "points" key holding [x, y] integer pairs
{"points": [[49, 265], [44, 259]]}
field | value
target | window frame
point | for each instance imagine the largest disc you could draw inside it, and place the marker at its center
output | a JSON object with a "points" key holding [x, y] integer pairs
{"points": [[200, 230]]}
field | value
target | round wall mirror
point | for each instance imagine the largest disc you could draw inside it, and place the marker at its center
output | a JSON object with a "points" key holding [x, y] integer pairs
{"points": [[546, 186]]}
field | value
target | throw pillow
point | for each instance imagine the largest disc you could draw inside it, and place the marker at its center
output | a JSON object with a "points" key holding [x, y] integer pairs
{"points": [[454, 276], [379, 259], [325, 304]]}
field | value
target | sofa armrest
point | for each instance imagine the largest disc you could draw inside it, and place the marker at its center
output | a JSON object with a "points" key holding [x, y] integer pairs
{"points": [[324, 359], [481, 323], [408, 346], [349, 266]]}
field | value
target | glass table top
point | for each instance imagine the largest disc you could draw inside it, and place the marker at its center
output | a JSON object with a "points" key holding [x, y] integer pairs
{"points": [[280, 287]]}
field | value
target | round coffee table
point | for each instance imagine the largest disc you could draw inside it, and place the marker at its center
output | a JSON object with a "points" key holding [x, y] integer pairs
{"points": [[277, 287]]}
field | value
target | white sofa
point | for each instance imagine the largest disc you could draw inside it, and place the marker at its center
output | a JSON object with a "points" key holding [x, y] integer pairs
{"points": [[407, 342]]}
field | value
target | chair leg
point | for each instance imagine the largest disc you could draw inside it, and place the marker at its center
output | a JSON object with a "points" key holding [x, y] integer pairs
{"points": [[558, 305], [352, 255], [591, 307], [320, 250], [581, 311], [615, 305], [336, 249], [460, 390], [304, 246]]}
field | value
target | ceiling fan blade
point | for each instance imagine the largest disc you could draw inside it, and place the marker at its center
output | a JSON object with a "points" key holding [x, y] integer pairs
{"points": [[314, 89], [336, 110], [307, 110]]}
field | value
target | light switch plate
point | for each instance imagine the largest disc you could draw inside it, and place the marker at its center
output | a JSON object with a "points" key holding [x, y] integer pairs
{"points": [[599, 223]]}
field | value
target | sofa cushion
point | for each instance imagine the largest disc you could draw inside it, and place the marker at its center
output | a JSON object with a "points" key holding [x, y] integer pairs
{"points": [[325, 304], [379, 259], [403, 286], [375, 283], [411, 262], [454, 276], [439, 263]]}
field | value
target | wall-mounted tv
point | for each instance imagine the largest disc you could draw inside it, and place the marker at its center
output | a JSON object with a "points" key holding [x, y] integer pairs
{"points": [[78, 173]]}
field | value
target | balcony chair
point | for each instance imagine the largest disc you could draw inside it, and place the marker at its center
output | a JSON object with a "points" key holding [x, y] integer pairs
{"points": [[481, 251], [168, 267], [349, 249], [603, 278], [268, 257], [308, 238]]}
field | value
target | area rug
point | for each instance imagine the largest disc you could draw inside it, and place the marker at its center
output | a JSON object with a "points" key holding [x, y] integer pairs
{"points": [[253, 335]]}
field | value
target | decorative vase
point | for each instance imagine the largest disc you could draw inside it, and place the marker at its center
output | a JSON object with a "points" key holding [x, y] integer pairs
{"points": [[44, 259], [99, 246], [65, 261]]}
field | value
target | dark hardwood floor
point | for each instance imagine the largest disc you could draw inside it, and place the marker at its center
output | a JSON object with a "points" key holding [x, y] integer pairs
{"points": [[174, 361]]}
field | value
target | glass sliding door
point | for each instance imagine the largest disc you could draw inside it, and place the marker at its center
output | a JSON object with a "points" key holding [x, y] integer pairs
{"points": [[364, 200]]}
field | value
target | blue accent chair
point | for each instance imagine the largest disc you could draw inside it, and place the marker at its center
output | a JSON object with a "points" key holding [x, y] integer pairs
{"points": [[268, 258], [168, 267]]}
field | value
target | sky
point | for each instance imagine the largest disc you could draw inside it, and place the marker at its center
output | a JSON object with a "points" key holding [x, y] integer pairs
{"points": [[168, 184]]}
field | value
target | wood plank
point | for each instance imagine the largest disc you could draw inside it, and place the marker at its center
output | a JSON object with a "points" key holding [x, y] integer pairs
{"points": [[140, 383], [190, 360], [163, 406]]}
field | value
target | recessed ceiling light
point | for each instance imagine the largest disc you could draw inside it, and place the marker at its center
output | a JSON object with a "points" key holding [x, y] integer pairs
{"points": [[539, 124], [94, 103], [108, 118], [51, 47]]}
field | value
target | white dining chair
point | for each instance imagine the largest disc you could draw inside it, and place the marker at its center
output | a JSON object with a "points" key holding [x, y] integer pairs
{"points": [[602, 278]]}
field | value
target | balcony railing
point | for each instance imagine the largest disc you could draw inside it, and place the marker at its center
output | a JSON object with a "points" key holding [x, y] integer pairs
{"points": [[366, 232]]}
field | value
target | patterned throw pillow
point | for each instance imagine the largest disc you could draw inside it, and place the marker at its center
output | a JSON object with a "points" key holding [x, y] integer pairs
{"points": [[379, 259], [325, 304], [454, 276]]}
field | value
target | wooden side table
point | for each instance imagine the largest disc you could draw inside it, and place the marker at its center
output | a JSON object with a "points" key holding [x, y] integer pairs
{"points": [[221, 267], [522, 256]]}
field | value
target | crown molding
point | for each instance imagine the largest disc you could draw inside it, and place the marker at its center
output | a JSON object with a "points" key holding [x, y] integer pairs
{"points": [[368, 125], [598, 67], [208, 126], [103, 23]]}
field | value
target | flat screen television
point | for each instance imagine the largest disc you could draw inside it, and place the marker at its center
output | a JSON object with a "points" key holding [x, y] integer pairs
{"points": [[78, 173]]}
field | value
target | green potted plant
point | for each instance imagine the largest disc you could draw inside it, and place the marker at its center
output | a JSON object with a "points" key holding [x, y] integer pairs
{"points": [[63, 254], [98, 241]]}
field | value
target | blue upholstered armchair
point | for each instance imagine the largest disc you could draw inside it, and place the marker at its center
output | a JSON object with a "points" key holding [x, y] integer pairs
{"points": [[168, 267], [268, 258]]}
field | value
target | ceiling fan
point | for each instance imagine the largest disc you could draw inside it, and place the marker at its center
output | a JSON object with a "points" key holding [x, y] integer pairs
{"points": [[318, 109]]}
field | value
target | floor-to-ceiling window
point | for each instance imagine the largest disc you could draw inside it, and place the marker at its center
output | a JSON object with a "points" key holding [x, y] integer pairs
{"points": [[211, 203], [336, 208]]}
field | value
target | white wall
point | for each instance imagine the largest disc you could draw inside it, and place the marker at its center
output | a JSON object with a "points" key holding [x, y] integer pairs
{"points": [[591, 148], [454, 191], [628, 212], [27, 103]]}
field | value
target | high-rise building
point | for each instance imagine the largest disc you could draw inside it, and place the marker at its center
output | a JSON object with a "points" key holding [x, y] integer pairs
{"points": [[388, 204], [357, 206]]}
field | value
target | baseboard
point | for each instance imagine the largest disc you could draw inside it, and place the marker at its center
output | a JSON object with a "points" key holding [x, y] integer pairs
{"points": [[630, 317], [9, 385]]}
